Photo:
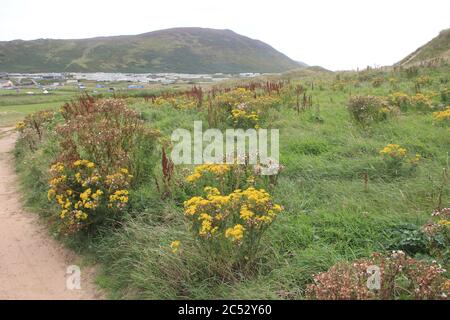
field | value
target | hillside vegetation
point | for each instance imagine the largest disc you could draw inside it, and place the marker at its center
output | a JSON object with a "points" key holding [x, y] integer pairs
{"points": [[179, 50], [437, 48], [363, 182]]}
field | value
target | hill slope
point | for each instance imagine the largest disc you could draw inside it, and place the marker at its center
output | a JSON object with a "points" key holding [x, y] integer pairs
{"points": [[182, 50], [438, 47]]}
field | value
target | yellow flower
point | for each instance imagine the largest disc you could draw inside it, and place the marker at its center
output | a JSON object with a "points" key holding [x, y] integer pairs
{"points": [[245, 213], [175, 245], [63, 213], [205, 216], [442, 116], [236, 233], [210, 191], [50, 194], [119, 196], [193, 177], [80, 215], [444, 223], [205, 228], [97, 194], [215, 169], [68, 204], [394, 151], [57, 167], [20, 125], [85, 195]]}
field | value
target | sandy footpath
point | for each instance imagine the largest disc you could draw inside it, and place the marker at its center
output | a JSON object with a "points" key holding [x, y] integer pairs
{"points": [[32, 264]]}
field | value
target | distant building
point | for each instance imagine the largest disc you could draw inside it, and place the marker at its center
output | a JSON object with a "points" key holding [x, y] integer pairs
{"points": [[3, 75], [53, 76], [135, 86]]}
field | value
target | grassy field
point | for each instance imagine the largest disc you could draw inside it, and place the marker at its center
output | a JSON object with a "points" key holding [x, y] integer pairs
{"points": [[341, 202]]}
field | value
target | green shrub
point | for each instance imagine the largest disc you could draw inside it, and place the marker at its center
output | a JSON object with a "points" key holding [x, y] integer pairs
{"points": [[368, 109]]}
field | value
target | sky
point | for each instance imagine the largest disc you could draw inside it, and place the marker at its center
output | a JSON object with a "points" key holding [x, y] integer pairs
{"points": [[338, 35]]}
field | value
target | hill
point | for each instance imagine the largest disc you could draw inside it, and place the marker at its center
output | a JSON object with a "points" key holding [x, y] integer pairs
{"points": [[438, 47], [180, 50]]}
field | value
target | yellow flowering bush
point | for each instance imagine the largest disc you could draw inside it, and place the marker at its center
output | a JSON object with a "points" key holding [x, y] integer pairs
{"points": [[394, 151], [234, 97], [395, 156], [243, 118], [245, 108], [83, 195], [215, 170], [229, 177], [178, 102], [423, 81], [20, 125], [400, 100], [31, 129], [422, 101], [231, 224], [442, 117]]}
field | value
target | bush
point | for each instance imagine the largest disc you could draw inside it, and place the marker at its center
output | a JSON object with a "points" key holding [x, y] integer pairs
{"points": [[442, 117], [229, 220], [368, 109], [32, 128], [377, 82], [400, 100], [242, 108], [86, 198], [109, 133], [401, 277], [422, 102], [230, 226], [395, 156]]}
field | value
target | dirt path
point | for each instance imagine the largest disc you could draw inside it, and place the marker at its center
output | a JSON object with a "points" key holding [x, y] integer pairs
{"points": [[32, 265]]}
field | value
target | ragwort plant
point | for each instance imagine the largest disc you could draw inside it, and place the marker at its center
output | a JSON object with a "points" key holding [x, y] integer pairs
{"points": [[85, 197], [229, 220], [108, 132], [395, 156], [230, 226], [33, 127]]}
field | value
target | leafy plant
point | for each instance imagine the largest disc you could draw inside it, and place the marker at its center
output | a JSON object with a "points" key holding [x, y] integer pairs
{"points": [[400, 276], [368, 109]]}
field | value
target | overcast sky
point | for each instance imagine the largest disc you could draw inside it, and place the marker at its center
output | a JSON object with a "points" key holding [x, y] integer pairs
{"points": [[338, 35]]}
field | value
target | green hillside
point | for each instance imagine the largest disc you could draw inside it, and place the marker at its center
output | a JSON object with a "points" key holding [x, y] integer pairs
{"points": [[438, 47], [182, 50]]}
